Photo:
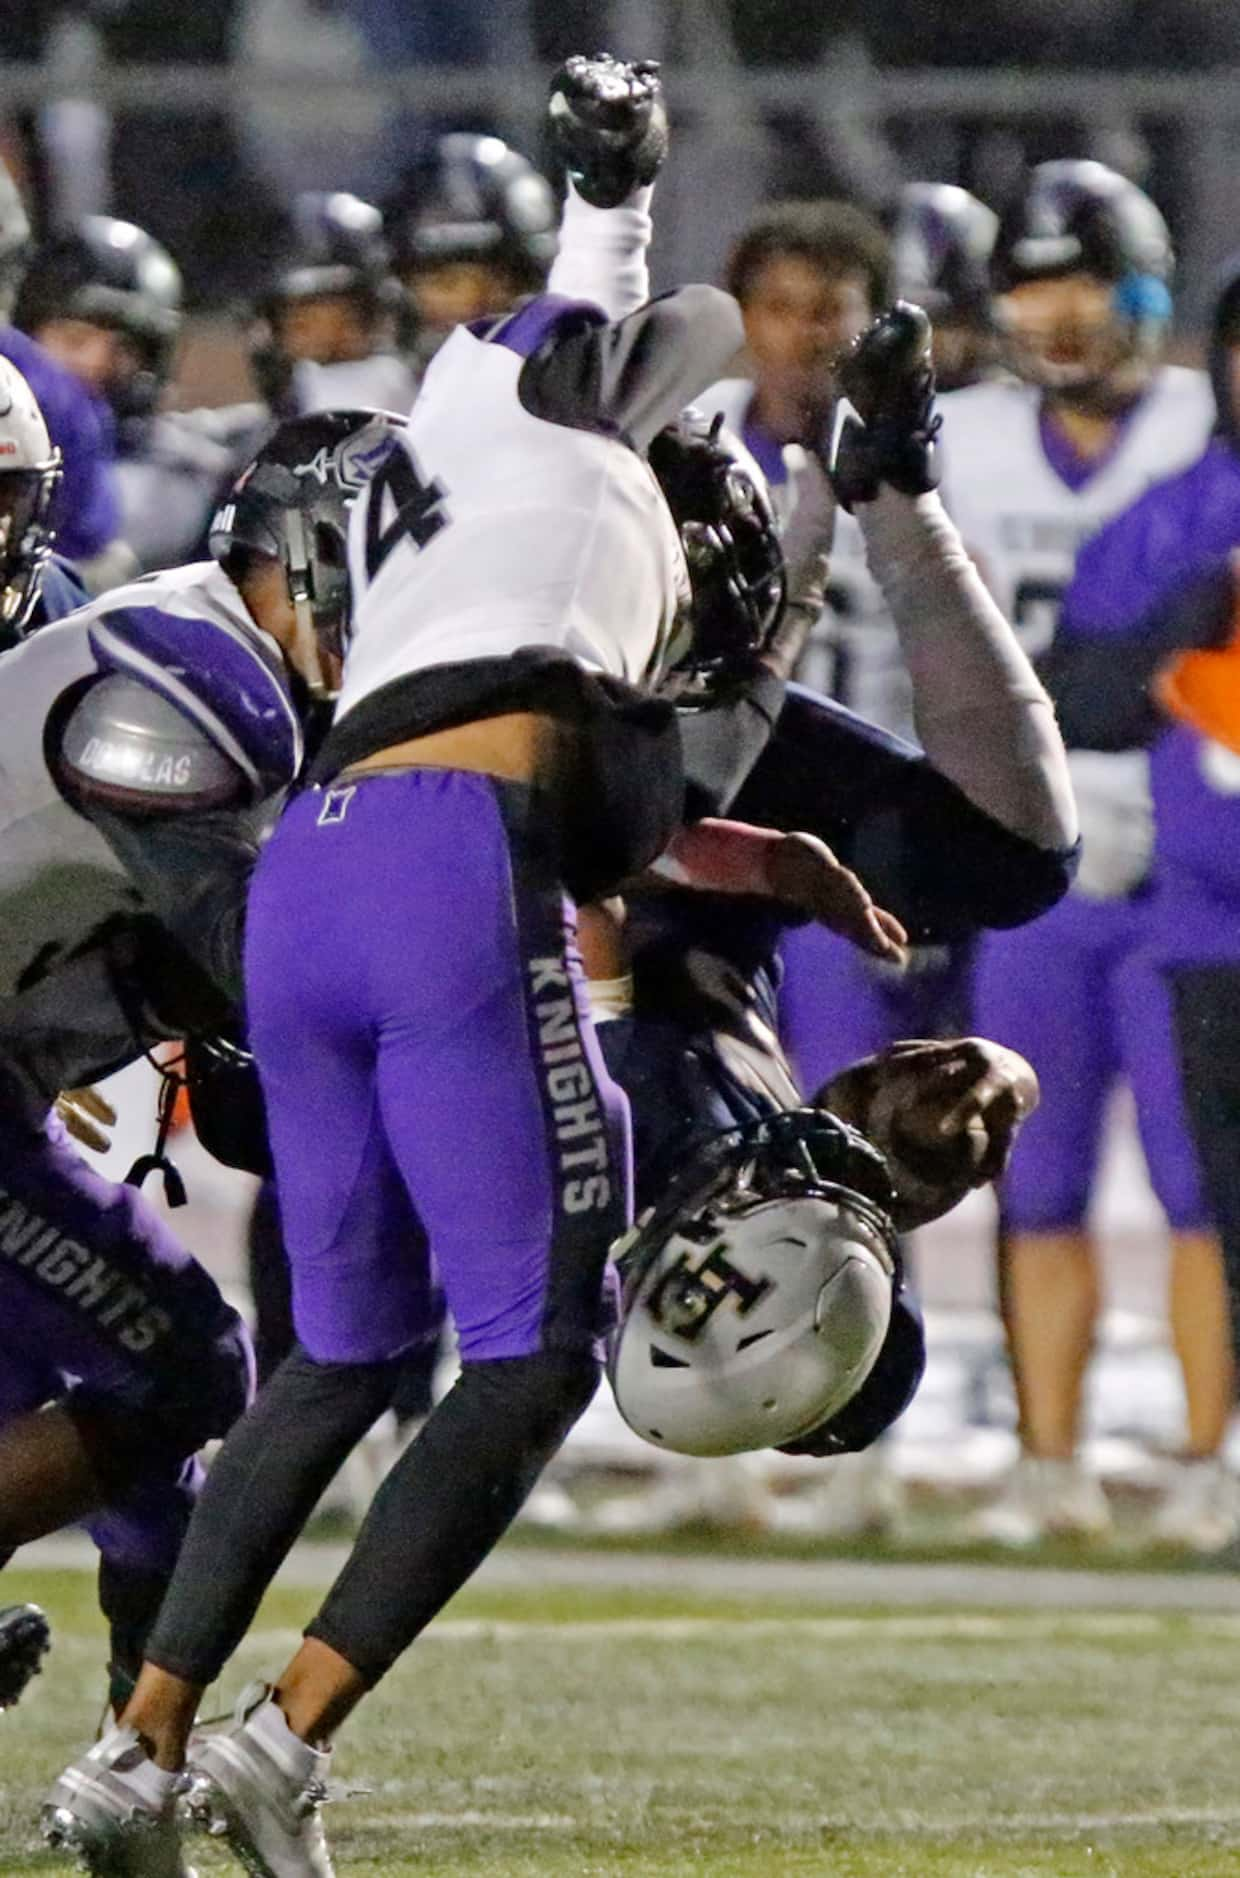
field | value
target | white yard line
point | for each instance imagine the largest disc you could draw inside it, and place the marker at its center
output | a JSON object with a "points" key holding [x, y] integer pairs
{"points": [[831, 1582]]}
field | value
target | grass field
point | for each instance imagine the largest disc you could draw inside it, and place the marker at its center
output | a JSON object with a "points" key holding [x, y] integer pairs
{"points": [[567, 1733]]}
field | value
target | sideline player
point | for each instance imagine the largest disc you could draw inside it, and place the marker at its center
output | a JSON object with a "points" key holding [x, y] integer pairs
{"points": [[86, 516], [1031, 468], [1157, 582]]}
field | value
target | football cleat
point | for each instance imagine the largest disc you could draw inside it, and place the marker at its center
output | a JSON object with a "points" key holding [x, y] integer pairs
{"points": [[260, 1788], [609, 123], [100, 1810], [25, 1637], [886, 426]]}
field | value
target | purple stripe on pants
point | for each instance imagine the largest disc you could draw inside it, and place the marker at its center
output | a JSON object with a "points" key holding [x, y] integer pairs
{"points": [[435, 1096]]}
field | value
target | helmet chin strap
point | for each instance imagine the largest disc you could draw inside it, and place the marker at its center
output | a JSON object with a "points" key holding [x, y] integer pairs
{"points": [[305, 654]]}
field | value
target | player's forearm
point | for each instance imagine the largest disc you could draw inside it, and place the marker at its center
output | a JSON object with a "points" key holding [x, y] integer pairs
{"points": [[982, 716], [602, 253]]}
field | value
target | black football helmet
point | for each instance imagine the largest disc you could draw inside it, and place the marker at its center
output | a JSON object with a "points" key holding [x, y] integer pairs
{"points": [[110, 273], [1079, 217], [941, 242], [335, 245], [473, 199], [292, 504], [722, 510]]}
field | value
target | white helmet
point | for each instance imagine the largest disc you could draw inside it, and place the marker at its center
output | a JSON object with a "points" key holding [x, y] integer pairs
{"points": [[29, 473], [757, 1295]]}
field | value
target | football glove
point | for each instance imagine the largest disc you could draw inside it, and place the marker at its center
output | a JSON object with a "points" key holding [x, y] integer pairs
{"points": [[609, 124], [886, 425]]}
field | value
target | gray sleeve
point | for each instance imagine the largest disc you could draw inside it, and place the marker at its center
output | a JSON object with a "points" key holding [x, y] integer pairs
{"points": [[631, 376], [193, 872]]}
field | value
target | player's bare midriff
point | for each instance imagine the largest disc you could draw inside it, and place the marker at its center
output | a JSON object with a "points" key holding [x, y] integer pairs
{"points": [[519, 746]]}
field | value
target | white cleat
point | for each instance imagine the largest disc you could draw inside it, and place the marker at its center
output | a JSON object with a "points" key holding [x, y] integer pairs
{"points": [[105, 1810], [1044, 1499], [259, 1787], [1201, 1510]]}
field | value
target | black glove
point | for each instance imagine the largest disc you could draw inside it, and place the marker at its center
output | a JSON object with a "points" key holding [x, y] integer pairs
{"points": [[609, 124], [887, 377]]}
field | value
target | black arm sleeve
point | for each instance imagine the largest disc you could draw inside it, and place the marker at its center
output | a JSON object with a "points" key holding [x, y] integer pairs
{"points": [[721, 745], [1100, 686], [630, 377], [193, 872], [927, 853]]}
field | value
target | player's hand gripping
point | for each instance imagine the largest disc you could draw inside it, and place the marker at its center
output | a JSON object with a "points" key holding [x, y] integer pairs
{"points": [[967, 1086], [886, 425], [609, 123]]}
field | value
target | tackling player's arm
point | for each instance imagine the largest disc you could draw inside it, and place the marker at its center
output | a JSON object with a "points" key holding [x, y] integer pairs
{"points": [[175, 807]]}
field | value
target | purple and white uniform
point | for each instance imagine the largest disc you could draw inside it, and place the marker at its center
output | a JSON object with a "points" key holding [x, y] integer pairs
{"points": [[97, 1299], [1067, 990], [416, 1005]]}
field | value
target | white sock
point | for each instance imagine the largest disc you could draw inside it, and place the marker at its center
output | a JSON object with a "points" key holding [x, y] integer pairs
{"points": [[154, 1785], [602, 253], [295, 1756]]}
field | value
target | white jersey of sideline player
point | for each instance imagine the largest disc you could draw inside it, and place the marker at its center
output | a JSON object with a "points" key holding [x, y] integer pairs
{"points": [[510, 513], [1019, 517], [1024, 523], [853, 653]]}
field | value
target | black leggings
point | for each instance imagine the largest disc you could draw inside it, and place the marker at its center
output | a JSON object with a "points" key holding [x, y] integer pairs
{"points": [[437, 1515]]}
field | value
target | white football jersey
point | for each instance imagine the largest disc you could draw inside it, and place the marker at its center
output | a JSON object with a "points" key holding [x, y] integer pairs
{"points": [[59, 880], [1024, 523], [1019, 517], [853, 653], [488, 530]]}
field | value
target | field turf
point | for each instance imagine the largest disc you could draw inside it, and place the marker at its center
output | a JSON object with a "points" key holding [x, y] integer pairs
{"points": [[569, 1733]]}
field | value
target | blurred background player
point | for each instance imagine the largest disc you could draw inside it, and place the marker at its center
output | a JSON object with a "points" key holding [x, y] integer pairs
{"points": [[1081, 269], [1145, 656], [86, 511], [473, 229], [942, 239], [105, 303]]}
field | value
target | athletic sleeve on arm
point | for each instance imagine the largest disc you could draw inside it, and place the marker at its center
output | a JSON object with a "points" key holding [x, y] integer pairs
{"points": [[928, 854], [721, 745], [630, 377], [193, 873]]}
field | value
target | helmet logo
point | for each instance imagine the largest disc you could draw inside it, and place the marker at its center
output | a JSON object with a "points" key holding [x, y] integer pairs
{"points": [[319, 466], [686, 1298]]}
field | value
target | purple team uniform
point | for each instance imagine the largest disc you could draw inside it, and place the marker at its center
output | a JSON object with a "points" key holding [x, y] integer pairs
{"points": [[431, 1079], [86, 510]]}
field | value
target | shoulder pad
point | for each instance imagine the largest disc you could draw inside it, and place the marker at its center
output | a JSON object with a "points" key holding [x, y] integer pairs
{"points": [[120, 745], [216, 677]]}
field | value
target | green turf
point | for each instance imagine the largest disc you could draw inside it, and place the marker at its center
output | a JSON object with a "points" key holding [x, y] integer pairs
{"points": [[555, 1734]]}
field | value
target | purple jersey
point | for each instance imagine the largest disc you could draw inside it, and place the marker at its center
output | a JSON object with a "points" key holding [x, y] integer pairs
{"points": [[1177, 533], [86, 514]]}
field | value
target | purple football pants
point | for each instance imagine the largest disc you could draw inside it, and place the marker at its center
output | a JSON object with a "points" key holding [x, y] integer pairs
{"points": [[1077, 994], [101, 1307], [437, 1104]]}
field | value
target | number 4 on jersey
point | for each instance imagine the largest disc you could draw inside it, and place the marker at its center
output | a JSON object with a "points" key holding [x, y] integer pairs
{"points": [[419, 516]]}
